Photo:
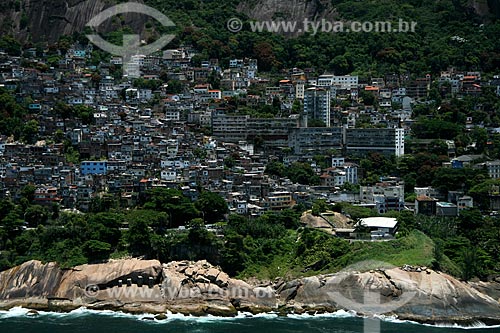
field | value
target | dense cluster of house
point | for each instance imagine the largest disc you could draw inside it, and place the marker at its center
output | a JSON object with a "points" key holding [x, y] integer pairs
{"points": [[142, 138]]}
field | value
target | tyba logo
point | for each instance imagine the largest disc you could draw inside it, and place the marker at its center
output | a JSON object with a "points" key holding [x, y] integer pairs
{"points": [[131, 43]]}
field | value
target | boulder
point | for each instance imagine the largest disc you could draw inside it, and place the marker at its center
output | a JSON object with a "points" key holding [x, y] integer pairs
{"points": [[201, 279], [198, 288], [211, 274], [31, 279]]}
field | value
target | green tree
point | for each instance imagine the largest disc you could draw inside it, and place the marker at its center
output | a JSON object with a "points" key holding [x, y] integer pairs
{"points": [[368, 97], [212, 206], [139, 237], [36, 215], [10, 45], [480, 137], [480, 192], [96, 250], [425, 128], [104, 227], [473, 262], [28, 192], [12, 225], [174, 203], [30, 132], [311, 122], [233, 255], [470, 220], [302, 173], [198, 234], [275, 168], [58, 136], [319, 206], [174, 87], [85, 113], [406, 222], [72, 155], [158, 221]]}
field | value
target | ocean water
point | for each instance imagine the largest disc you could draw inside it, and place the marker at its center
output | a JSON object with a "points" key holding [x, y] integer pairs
{"points": [[82, 320]]}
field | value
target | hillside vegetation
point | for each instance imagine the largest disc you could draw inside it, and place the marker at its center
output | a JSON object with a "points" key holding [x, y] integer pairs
{"points": [[430, 49], [433, 47], [273, 245]]}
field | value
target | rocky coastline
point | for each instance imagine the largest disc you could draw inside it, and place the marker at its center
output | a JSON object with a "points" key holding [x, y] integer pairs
{"points": [[199, 289]]}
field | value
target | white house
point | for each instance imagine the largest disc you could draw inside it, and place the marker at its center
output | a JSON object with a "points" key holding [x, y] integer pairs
{"points": [[215, 94], [380, 226], [168, 175]]}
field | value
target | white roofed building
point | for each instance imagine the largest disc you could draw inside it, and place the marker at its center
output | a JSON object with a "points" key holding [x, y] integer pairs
{"points": [[380, 227]]}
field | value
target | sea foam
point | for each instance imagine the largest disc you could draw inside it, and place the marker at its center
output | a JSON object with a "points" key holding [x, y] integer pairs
{"points": [[150, 318]]}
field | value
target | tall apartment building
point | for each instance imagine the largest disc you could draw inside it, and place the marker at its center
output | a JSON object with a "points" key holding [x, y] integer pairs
{"points": [[351, 172], [317, 104], [362, 141], [300, 89], [326, 82]]}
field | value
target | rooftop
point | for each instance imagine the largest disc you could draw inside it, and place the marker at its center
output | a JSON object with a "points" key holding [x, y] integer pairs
{"points": [[379, 222], [446, 204]]}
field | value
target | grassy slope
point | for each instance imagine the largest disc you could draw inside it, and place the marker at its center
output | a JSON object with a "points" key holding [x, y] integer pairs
{"points": [[415, 249]]}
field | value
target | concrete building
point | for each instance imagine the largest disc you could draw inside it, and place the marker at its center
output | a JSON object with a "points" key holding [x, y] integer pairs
{"points": [[465, 202], [425, 205], [215, 94], [315, 139], [387, 141], [279, 200], [46, 195], [351, 173], [273, 132], [347, 82], [493, 168], [338, 161], [429, 191], [93, 167], [446, 209], [380, 227], [324, 81], [333, 177], [300, 90], [229, 128], [171, 115], [419, 88], [317, 105], [338, 176], [386, 197]]}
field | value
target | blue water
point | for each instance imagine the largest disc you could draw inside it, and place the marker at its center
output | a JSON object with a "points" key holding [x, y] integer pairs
{"points": [[17, 320]]}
